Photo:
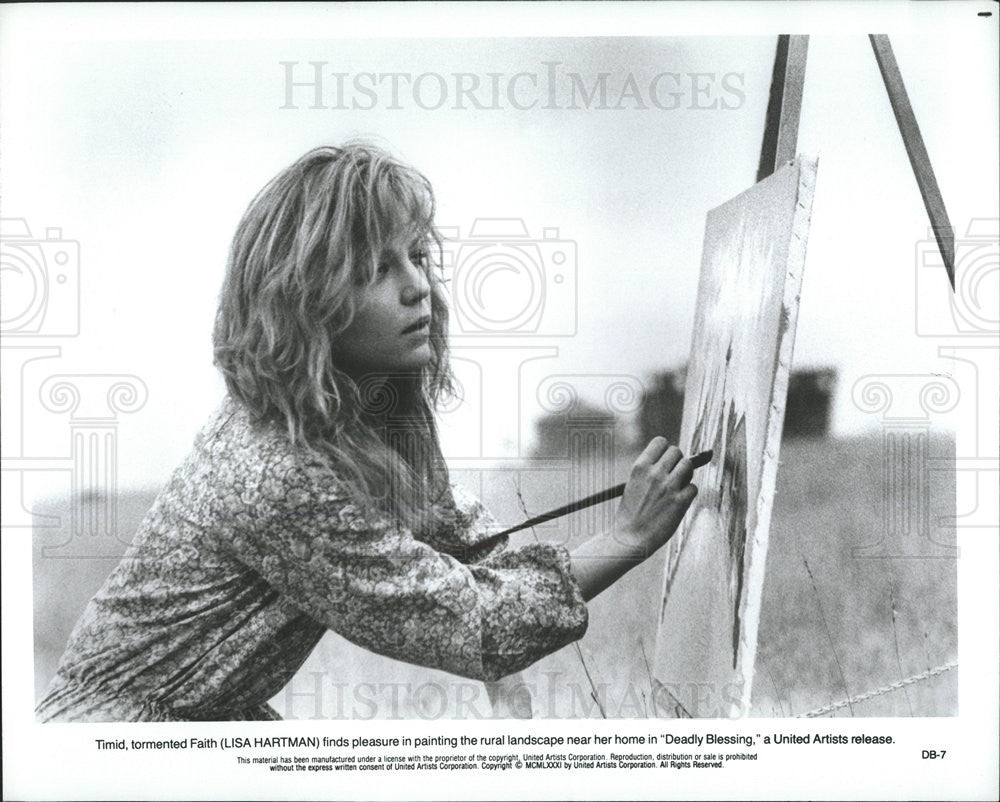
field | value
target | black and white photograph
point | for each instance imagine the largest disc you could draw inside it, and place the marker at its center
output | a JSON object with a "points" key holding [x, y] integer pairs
{"points": [[509, 400]]}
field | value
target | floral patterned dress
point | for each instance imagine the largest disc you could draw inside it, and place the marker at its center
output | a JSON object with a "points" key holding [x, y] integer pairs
{"points": [[254, 549]]}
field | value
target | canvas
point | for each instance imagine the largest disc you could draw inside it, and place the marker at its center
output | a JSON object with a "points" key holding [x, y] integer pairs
{"points": [[741, 351]]}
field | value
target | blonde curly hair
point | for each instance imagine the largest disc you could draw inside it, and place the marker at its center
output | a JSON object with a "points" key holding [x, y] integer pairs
{"points": [[307, 243]]}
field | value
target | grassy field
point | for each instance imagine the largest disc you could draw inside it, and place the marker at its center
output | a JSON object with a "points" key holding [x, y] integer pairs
{"points": [[834, 624]]}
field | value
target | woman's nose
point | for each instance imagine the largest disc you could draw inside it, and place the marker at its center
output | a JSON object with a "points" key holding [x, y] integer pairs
{"points": [[417, 287]]}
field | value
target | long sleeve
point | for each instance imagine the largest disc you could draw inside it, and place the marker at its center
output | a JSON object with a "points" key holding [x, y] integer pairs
{"points": [[380, 587]]}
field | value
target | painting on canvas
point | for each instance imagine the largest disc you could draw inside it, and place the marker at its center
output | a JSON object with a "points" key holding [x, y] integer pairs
{"points": [[748, 298]]}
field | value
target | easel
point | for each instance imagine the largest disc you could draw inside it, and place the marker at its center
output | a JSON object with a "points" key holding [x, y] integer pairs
{"points": [[715, 568], [782, 126]]}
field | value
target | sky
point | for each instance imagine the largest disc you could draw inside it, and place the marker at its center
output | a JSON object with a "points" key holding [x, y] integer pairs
{"points": [[143, 143]]}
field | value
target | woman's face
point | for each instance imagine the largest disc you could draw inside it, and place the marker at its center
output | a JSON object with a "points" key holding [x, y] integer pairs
{"points": [[390, 331]]}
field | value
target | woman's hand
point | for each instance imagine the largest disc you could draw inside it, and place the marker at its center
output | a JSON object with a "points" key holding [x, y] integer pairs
{"points": [[657, 494]]}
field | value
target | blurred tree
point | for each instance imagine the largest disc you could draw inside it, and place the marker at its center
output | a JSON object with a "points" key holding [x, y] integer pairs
{"points": [[807, 413], [810, 395], [592, 427], [662, 406]]}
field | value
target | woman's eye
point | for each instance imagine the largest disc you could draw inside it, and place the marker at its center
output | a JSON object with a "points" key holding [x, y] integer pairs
{"points": [[419, 257]]}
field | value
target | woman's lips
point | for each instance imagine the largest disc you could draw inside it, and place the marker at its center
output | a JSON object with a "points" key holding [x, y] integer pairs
{"points": [[418, 325]]}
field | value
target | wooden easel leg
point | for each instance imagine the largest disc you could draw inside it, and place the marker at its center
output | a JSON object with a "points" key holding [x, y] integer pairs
{"points": [[784, 105], [914, 142]]}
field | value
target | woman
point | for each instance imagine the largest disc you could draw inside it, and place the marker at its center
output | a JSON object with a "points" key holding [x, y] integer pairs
{"points": [[316, 496]]}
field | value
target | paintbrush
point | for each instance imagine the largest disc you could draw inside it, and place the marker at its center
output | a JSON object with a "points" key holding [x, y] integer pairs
{"points": [[697, 461]]}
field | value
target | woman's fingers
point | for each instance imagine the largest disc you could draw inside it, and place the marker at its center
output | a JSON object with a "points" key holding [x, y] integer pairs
{"points": [[682, 473], [668, 461], [670, 458], [652, 453], [657, 494]]}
